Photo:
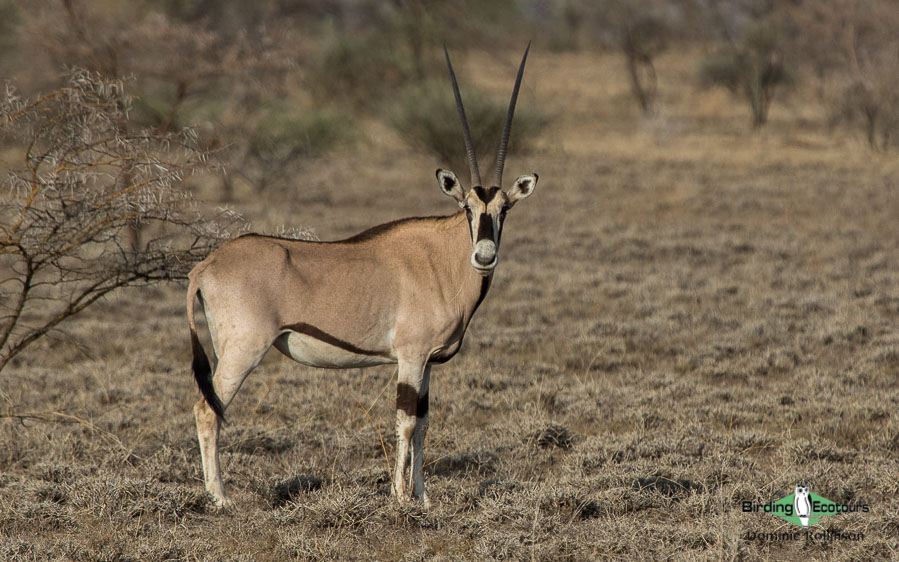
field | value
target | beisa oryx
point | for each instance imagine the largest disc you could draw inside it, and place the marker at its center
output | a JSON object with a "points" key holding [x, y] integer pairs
{"points": [[402, 292]]}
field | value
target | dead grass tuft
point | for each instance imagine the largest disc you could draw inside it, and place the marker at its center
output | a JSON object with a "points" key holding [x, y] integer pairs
{"points": [[677, 489], [292, 490], [553, 436], [479, 463]]}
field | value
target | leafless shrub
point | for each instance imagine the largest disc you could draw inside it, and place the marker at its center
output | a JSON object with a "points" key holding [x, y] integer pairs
{"points": [[861, 59], [86, 180]]}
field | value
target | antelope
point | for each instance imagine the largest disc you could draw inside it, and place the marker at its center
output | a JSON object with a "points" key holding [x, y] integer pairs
{"points": [[399, 293]]}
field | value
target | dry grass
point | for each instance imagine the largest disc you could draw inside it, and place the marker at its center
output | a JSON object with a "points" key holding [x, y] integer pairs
{"points": [[688, 315]]}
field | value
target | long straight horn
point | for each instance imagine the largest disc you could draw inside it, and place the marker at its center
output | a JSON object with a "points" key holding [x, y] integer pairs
{"points": [[466, 132], [504, 142]]}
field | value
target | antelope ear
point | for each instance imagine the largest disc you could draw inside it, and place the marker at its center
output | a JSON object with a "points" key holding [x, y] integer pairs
{"points": [[450, 185], [523, 188]]}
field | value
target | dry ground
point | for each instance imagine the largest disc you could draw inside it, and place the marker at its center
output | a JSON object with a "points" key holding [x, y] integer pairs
{"points": [[687, 315]]}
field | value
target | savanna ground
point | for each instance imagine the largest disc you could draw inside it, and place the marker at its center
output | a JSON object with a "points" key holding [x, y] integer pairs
{"points": [[688, 315]]}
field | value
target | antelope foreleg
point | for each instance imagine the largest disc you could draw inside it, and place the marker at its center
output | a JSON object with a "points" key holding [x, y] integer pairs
{"points": [[412, 379], [416, 476]]}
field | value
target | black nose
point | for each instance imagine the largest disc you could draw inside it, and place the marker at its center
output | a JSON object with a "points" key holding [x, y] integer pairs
{"points": [[485, 261]]}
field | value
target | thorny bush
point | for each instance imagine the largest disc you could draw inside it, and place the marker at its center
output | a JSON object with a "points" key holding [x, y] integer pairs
{"points": [[97, 205]]}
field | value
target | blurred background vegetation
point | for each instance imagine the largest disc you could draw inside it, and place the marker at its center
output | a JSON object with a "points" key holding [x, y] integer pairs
{"points": [[270, 84]]}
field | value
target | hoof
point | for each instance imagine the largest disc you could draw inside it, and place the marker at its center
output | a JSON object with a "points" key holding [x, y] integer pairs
{"points": [[400, 495], [220, 504]]}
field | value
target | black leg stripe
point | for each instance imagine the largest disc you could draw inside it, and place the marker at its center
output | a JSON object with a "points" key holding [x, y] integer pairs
{"points": [[422, 409], [407, 399]]}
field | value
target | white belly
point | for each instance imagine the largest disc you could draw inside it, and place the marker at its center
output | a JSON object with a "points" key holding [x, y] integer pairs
{"points": [[314, 352]]}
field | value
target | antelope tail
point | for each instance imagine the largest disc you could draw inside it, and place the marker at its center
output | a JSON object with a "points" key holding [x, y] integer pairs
{"points": [[200, 366]]}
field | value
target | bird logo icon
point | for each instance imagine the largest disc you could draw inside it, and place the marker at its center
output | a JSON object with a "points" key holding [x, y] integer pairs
{"points": [[802, 507]]}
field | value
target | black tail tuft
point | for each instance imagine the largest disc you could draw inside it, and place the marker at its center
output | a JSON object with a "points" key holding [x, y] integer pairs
{"points": [[203, 375]]}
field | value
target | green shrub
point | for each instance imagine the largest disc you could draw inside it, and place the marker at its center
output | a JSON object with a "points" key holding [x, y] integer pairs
{"points": [[425, 116], [286, 132], [359, 69], [284, 136]]}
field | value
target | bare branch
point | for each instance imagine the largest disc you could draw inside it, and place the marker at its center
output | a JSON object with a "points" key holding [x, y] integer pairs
{"points": [[87, 178]]}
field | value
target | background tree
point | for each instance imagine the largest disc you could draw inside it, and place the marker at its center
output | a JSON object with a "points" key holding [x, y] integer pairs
{"points": [[641, 31], [750, 62], [853, 50], [223, 67]]}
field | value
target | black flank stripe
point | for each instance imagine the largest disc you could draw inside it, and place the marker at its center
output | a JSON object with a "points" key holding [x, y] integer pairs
{"points": [[422, 409], [312, 331]]}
